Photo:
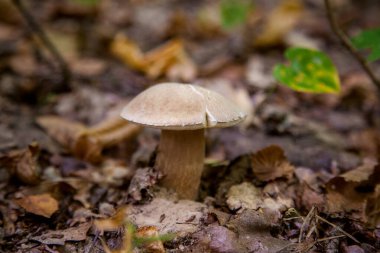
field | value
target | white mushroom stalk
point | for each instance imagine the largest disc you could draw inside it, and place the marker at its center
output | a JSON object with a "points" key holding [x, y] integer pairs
{"points": [[182, 111]]}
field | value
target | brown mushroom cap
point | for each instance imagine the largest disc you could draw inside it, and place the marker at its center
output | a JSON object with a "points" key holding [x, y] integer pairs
{"points": [[176, 106]]}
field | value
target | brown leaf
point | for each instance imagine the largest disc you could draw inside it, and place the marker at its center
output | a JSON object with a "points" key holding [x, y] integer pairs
{"points": [[169, 59], [279, 22], [23, 164], [87, 143], [113, 223], [59, 237], [372, 208], [270, 163], [42, 204], [349, 191], [65, 132]]}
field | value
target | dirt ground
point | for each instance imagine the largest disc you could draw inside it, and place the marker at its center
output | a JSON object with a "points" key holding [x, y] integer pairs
{"points": [[300, 174]]}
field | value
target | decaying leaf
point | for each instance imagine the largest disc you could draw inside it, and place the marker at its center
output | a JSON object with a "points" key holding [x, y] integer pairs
{"points": [[113, 223], [270, 163], [59, 237], [42, 204], [279, 22], [349, 191], [372, 208], [247, 196], [169, 59], [23, 164], [170, 217], [88, 142]]}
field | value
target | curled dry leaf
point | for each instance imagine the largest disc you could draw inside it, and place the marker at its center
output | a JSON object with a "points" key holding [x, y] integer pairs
{"points": [[59, 237], [113, 223], [42, 204], [88, 142], [23, 164], [169, 59], [279, 23], [270, 163], [349, 191]]}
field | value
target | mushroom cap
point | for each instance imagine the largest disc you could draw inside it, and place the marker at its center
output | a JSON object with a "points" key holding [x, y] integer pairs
{"points": [[177, 106]]}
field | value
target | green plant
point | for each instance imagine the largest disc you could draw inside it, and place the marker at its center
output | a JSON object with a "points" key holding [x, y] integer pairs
{"points": [[369, 39], [234, 12], [309, 71]]}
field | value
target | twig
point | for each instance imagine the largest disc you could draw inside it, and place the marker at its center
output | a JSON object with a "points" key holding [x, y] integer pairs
{"points": [[344, 39], [330, 238], [305, 221], [37, 29], [338, 228]]}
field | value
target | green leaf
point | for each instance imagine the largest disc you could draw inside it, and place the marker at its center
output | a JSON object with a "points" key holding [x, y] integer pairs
{"points": [[369, 39], [86, 2], [309, 71], [234, 12]]}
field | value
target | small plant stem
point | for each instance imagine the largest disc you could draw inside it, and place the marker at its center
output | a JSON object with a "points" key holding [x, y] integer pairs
{"points": [[344, 39], [37, 29]]}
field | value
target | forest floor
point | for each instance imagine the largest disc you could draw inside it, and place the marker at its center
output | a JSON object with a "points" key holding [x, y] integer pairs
{"points": [[300, 174]]}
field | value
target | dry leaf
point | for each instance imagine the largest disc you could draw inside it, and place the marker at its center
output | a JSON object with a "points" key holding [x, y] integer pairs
{"points": [[59, 237], [247, 196], [372, 208], [279, 22], [23, 164], [113, 223], [88, 143], [151, 232], [42, 204], [270, 163], [349, 191], [169, 59], [65, 132]]}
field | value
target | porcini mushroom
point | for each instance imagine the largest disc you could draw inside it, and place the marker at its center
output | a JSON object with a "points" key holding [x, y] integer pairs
{"points": [[182, 111]]}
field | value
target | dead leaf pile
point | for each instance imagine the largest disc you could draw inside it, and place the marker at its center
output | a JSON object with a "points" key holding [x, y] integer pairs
{"points": [[169, 59]]}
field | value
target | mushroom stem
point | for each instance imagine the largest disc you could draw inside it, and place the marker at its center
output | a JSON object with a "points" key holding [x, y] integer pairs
{"points": [[180, 157]]}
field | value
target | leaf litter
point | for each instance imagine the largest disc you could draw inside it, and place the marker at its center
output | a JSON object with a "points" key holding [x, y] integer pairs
{"points": [[300, 175]]}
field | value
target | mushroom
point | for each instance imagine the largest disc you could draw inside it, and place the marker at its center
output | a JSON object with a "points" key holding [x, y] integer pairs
{"points": [[182, 111]]}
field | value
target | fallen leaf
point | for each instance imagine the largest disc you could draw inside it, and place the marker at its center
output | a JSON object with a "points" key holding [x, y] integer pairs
{"points": [[270, 163], [372, 208], [169, 216], [279, 22], [349, 191], [247, 196], [87, 143], [42, 204], [59, 237], [23, 164], [113, 223], [169, 59]]}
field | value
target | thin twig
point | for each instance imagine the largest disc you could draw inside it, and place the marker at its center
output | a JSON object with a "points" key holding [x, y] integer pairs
{"points": [[337, 227], [305, 222], [344, 39], [37, 29]]}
